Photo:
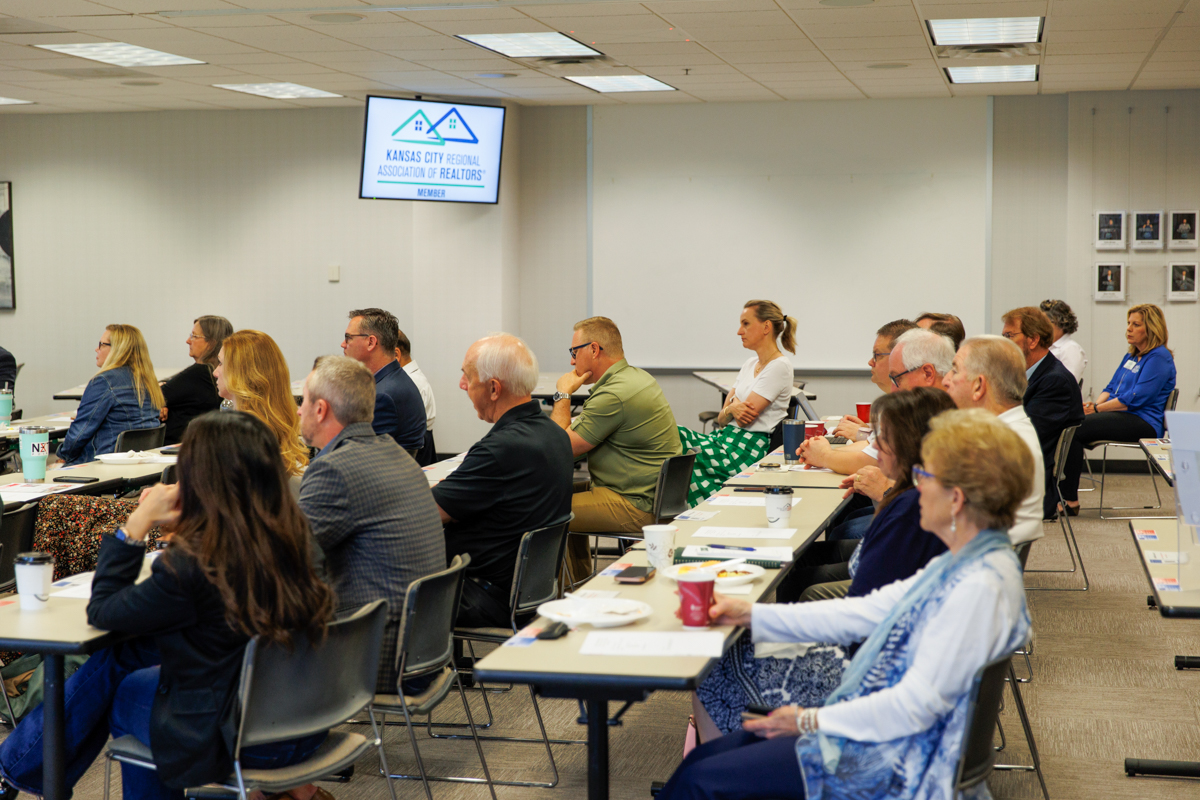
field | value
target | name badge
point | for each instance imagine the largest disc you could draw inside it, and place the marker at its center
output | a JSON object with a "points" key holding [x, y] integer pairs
{"points": [[1132, 365]]}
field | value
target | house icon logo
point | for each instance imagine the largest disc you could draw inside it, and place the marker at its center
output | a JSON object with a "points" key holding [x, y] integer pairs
{"points": [[417, 129], [452, 127]]}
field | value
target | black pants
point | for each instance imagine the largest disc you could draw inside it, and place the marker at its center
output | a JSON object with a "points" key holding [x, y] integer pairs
{"points": [[822, 562], [1118, 426], [483, 608]]}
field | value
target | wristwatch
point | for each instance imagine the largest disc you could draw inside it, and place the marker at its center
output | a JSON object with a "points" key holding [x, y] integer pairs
{"points": [[561, 396], [121, 536]]}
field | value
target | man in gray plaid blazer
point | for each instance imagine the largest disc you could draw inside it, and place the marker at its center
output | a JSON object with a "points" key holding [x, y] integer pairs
{"points": [[367, 501]]}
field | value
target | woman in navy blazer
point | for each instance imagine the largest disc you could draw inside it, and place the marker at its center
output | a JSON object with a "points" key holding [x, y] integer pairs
{"points": [[1132, 405]]}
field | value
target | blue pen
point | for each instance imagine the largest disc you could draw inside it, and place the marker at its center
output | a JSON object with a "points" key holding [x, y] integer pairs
{"points": [[731, 547]]}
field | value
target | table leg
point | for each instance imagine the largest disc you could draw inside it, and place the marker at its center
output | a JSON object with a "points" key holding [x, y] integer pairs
{"points": [[597, 715], [54, 752], [1172, 769]]}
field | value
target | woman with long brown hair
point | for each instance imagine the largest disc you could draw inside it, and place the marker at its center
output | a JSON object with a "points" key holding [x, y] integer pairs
{"points": [[238, 566], [253, 374], [193, 391], [122, 396]]}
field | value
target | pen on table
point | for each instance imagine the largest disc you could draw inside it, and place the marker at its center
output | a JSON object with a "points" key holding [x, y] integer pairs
{"points": [[731, 547], [750, 489]]}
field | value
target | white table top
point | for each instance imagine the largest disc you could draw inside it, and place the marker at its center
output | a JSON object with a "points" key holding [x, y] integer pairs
{"points": [[1176, 586], [57, 423], [547, 385], [61, 627], [1159, 453], [724, 381], [76, 392]]}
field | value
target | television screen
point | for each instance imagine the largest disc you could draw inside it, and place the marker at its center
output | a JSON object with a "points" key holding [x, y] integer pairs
{"points": [[419, 150]]}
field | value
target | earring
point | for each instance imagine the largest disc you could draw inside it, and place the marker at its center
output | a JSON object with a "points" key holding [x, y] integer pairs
{"points": [[954, 524]]}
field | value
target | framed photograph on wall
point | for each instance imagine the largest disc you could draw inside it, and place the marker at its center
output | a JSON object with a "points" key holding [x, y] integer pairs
{"points": [[1147, 230], [1181, 281], [8, 295], [1181, 230], [1110, 230], [1110, 281]]}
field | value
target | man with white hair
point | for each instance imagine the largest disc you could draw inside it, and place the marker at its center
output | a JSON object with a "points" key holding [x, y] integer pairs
{"points": [[920, 358], [989, 373], [367, 501], [514, 480]]}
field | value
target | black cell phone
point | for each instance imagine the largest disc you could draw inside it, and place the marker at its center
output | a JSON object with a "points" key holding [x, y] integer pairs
{"points": [[75, 479], [555, 630], [173, 450], [634, 575], [759, 710], [837, 439]]}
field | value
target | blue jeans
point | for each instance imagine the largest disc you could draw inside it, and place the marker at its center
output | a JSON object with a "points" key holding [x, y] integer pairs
{"points": [[112, 694], [738, 765], [853, 526]]}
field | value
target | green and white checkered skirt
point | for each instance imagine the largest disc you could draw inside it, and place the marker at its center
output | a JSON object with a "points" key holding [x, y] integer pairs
{"points": [[719, 456]]}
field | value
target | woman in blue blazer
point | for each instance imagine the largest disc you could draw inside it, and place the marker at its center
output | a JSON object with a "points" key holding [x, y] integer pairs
{"points": [[1132, 405]]}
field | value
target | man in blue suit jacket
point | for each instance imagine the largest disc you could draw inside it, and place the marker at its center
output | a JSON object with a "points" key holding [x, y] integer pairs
{"points": [[371, 338], [1052, 399]]}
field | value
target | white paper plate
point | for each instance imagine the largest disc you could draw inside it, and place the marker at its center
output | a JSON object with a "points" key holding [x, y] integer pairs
{"points": [[135, 457], [754, 573], [600, 613]]}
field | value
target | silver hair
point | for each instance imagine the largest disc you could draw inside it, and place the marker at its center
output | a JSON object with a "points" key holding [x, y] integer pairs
{"points": [[1001, 362], [347, 385], [926, 347], [509, 360]]}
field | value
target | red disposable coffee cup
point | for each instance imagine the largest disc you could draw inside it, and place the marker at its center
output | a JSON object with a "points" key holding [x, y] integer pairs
{"points": [[695, 597], [814, 428], [864, 412]]}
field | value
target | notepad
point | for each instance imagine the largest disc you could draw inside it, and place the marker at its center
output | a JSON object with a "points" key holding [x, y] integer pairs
{"points": [[730, 500], [704, 644], [714, 532], [696, 516]]}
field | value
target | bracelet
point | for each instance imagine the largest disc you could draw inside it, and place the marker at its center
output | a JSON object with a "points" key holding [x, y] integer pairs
{"points": [[806, 720]]}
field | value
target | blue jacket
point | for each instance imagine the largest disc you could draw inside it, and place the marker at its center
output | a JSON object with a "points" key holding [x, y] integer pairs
{"points": [[1144, 385], [894, 547], [399, 409], [109, 407]]}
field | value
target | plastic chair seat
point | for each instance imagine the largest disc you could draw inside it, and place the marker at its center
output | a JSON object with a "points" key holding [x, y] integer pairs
{"points": [[484, 634], [421, 703]]}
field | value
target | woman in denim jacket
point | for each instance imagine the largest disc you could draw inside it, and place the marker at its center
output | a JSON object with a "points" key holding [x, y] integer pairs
{"points": [[123, 396]]}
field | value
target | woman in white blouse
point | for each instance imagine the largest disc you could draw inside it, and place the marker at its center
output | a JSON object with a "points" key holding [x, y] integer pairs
{"points": [[894, 726], [758, 402], [1065, 348]]}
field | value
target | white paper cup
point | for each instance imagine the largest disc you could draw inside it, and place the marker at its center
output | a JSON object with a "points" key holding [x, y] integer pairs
{"points": [[35, 573], [779, 506], [660, 544]]}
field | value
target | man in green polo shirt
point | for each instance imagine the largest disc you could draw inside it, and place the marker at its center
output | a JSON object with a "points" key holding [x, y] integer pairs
{"points": [[627, 430]]}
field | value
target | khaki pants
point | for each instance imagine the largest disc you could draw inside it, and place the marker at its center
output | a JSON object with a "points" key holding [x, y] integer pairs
{"points": [[834, 590], [599, 510]]}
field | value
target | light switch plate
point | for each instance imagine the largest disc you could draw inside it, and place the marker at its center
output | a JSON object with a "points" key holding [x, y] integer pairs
{"points": [[335, 273]]}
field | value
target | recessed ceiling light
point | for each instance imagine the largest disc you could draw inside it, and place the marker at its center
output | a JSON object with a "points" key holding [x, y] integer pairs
{"points": [[1001, 30], [495, 75], [529, 45], [276, 91], [140, 83], [846, 3], [1014, 73], [887, 66], [621, 83], [333, 19], [12, 101], [120, 54]]}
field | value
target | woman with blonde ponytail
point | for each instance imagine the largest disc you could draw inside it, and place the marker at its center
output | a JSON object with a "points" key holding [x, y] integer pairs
{"points": [[758, 402]]}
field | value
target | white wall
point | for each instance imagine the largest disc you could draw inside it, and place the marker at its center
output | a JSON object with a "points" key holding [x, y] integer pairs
{"points": [[154, 219]]}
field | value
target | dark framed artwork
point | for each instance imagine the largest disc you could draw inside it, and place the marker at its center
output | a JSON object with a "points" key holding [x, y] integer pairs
{"points": [[1182, 232], [1110, 283], [1110, 230], [8, 292], [1181, 281], [1147, 230]]}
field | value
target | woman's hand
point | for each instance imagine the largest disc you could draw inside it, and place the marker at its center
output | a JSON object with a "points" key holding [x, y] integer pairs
{"points": [[1089, 408], [744, 414], [158, 505], [782, 722], [815, 451], [871, 482], [730, 611], [162, 414]]}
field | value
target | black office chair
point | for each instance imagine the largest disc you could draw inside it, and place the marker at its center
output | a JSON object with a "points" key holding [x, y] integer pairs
{"points": [[16, 536], [140, 439]]}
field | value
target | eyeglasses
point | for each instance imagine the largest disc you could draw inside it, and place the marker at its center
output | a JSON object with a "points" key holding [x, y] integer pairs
{"points": [[578, 347], [350, 336], [1010, 335], [103, 345], [880, 356], [196, 336], [919, 475], [896, 378]]}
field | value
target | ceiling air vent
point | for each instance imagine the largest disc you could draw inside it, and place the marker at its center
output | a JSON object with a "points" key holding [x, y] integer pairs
{"points": [[572, 65], [16, 25], [988, 50]]}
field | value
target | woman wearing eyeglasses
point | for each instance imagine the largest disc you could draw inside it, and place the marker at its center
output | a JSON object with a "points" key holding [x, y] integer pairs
{"points": [[252, 374], [894, 547], [759, 401], [193, 391], [894, 726], [122, 396]]}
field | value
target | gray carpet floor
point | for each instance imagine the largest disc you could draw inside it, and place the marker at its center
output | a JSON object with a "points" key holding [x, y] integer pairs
{"points": [[1104, 688]]}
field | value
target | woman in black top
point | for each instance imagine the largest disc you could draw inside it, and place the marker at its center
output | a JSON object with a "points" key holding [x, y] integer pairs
{"points": [[238, 565], [193, 391]]}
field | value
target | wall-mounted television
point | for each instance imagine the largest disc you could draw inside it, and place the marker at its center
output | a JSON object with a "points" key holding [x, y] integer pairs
{"points": [[420, 150]]}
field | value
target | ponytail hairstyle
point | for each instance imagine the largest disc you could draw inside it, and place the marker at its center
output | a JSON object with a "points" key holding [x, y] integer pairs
{"points": [[783, 325]]}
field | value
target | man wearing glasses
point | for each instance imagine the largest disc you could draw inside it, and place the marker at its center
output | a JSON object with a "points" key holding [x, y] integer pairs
{"points": [[371, 338], [625, 427]]}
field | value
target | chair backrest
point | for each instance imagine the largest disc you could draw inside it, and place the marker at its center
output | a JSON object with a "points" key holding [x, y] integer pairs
{"points": [[426, 641], [539, 561], [1060, 452], [168, 474], [16, 536], [288, 694], [1023, 553], [141, 439], [674, 478], [978, 756], [1172, 399]]}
